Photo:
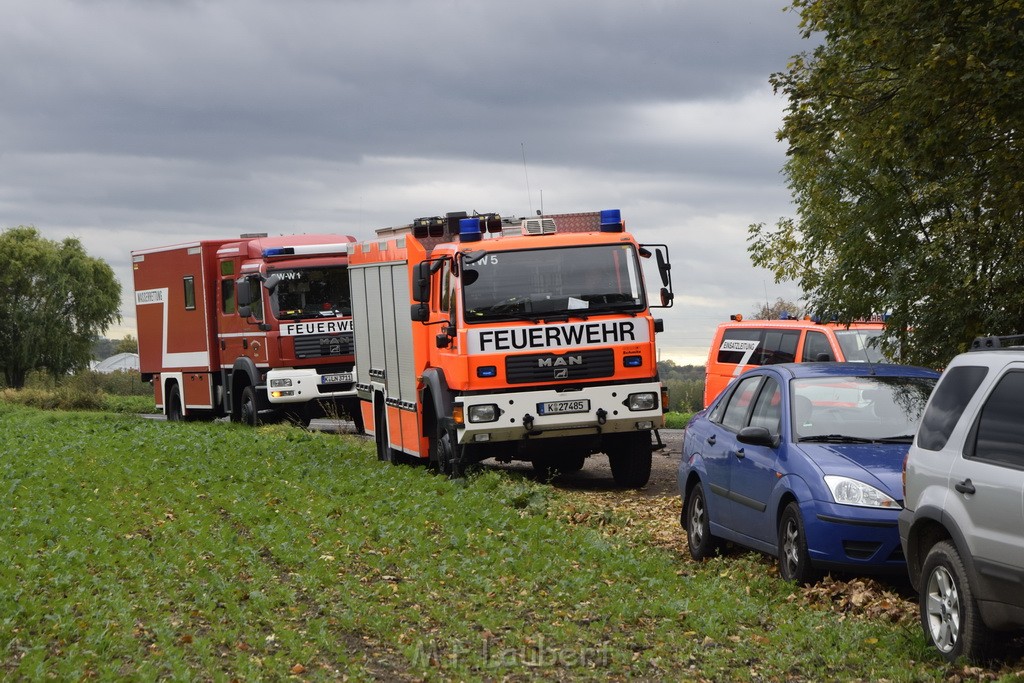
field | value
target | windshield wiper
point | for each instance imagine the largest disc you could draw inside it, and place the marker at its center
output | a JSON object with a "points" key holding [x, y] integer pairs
{"points": [[903, 438], [835, 438]]}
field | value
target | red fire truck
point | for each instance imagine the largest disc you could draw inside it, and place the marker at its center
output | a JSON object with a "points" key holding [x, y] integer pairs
{"points": [[257, 328], [478, 337]]}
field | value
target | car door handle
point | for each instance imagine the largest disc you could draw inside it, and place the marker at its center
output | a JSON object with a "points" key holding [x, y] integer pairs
{"points": [[711, 440], [740, 454], [966, 486]]}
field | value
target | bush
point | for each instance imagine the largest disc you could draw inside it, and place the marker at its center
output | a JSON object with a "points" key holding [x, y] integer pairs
{"points": [[62, 398]]}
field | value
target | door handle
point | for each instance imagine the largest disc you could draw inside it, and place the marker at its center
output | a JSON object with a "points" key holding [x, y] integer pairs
{"points": [[711, 440], [965, 486]]}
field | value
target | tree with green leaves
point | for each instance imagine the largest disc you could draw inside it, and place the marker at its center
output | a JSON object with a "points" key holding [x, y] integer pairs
{"points": [[904, 129], [54, 301], [776, 309]]}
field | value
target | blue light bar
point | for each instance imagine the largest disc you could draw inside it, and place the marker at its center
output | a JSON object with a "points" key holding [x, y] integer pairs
{"points": [[469, 230], [611, 220], [276, 251]]}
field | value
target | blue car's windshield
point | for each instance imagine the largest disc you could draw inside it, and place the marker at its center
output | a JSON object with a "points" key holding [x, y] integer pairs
{"points": [[858, 409]]}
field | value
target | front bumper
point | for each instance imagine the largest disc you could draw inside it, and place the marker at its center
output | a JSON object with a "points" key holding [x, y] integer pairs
{"points": [[853, 537], [518, 415], [302, 385]]}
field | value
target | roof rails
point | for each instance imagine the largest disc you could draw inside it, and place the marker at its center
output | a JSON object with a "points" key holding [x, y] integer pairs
{"points": [[997, 342]]}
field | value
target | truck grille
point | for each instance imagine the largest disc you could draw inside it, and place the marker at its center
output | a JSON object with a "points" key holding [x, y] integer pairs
{"points": [[560, 367], [323, 345]]}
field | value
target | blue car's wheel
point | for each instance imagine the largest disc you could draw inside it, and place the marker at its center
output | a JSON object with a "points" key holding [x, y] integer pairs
{"points": [[698, 526], [794, 560]]}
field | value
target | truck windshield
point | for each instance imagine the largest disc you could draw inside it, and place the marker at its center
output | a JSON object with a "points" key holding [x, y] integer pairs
{"points": [[572, 281], [310, 292], [861, 346]]}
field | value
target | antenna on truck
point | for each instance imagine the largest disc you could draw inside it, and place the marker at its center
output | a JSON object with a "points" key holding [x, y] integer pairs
{"points": [[529, 197]]}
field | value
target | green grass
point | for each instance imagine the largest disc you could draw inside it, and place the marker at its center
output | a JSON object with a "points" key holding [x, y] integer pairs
{"points": [[142, 549], [674, 420]]}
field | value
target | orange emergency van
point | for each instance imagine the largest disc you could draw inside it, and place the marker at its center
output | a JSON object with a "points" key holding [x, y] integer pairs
{"points": [[740, 344]]}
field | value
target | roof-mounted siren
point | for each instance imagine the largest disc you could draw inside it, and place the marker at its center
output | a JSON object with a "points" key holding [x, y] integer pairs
{"points": [[539, 226], [428, 226], [469, 229], [611, 221]]}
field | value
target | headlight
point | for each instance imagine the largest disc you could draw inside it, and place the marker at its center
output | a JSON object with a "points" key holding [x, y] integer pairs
{"points": [[485, 413], [848, 491], [645, 401], [274, 383]]}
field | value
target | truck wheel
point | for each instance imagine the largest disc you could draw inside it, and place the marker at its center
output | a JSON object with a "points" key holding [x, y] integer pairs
{"points": [[298, 416], [794, 560], [354, 409], [174, 410], [630, 459], [446, 453], [250, 408], [949, 612]]}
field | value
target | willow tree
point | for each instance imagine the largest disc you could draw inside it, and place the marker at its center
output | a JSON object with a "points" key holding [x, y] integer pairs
{"points": [[905, 162], [54, 301]]}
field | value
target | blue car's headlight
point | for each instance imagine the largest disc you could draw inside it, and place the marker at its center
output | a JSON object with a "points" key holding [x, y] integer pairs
{"points": [[847, 491]]}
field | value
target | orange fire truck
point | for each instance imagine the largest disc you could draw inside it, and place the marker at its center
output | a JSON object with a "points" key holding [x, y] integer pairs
{"points": [[478, 337], [257, 328]]}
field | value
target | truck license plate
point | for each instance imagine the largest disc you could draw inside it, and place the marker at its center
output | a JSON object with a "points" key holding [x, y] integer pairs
{"points": [[562, 407], [337, 378]]}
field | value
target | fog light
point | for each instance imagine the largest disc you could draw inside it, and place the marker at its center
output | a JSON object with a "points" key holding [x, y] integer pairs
{"points": [[483, 413], [275, 383], [482, 437], [648, 400], [646, 424], [279, 394]]}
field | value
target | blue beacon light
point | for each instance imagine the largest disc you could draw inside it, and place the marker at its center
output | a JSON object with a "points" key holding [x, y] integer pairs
{"points": [[469, 230], [611, 220]]}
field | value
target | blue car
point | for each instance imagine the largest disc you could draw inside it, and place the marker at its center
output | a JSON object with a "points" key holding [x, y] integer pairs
{"points": [[804, 461]]}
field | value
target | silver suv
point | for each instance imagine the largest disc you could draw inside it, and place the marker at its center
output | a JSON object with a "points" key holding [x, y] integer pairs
{"points": [[962, 526]]}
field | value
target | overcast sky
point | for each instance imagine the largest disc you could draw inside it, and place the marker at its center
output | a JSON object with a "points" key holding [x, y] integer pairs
{"points": [[140, 123]]}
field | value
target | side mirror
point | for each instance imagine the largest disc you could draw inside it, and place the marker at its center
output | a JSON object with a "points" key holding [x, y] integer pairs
{"points": [[667, 297], [758, 436], [242, 293], [421, 282], [419, 313], [245, 311], [663, 266]]}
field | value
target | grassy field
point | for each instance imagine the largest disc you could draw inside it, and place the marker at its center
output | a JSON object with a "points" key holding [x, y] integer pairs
{"points": [[142, 549]]}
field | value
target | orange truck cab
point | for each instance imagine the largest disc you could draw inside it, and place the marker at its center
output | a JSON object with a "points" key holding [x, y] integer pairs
{"points": [[740, 344], [480, 337]]}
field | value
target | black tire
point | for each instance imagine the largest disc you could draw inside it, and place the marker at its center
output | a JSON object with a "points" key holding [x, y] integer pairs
{"points": [[354, 409], [949, 613], [250, 410], [630, 460], [695, 520], [794, 560], [175, 413], [380, 435], [297, 415], [445, 452], [574, 462]]}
